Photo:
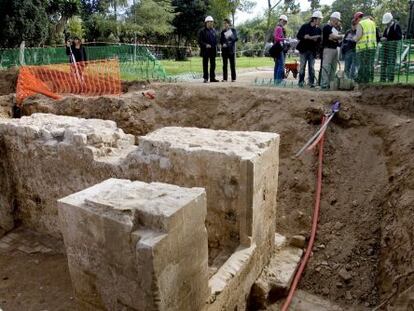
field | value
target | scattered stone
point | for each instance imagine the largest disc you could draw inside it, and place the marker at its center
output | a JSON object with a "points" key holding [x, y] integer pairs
{"points": [[322, 246], [339, 284], [4, 245], [325, 291], [338, 225], [345, 275], [354, 203], [298, 241], [348, 295]]}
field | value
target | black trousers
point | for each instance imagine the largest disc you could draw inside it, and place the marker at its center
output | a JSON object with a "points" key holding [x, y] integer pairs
{"points": [[226, 58], [212, 59]]}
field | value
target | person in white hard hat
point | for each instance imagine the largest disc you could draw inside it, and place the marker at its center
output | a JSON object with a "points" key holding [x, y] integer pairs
{"points": [[207, 40], [330, 43], [309, 37], [392, 34], [279, 41]]}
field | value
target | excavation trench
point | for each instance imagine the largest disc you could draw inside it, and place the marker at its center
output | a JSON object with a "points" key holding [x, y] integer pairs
{"points": [[365, 239]]}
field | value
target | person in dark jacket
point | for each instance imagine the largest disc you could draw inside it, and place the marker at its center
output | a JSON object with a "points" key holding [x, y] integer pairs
{"points": [[309, 37], [228, 40], [208, 44], [390, 38], [77, 56], [348, 51], [76, 49]]}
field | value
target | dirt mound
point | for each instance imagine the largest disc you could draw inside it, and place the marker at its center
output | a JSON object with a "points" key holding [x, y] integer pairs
{"points": [[400, 98], [6, 103], [8, 80], [364, 238]]}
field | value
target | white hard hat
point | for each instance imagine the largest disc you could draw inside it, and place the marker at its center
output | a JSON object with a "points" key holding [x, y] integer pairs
{"points": [[336, 15], [209, 19], [283, 18], [317, 14], [387, 18]]}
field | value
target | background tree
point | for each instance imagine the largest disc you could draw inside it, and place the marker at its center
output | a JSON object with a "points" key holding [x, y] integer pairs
{"points": [[153, 16], [75, 27], [188, 20], [90, 7], [314, 4], [219, 10], [24, 20], [240, 5], [59, 12], [115, 4]]}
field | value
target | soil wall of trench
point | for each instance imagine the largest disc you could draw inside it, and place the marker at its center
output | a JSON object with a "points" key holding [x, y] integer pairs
{"points": [[365, 242]]}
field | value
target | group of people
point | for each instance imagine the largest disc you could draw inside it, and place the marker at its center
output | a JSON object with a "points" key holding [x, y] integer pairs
{"points": [[208, 48], [358, 48]]}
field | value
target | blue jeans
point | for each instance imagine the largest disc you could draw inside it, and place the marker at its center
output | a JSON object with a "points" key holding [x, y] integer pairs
{"points": [[307, 57], [350, 64], [279, 73]]}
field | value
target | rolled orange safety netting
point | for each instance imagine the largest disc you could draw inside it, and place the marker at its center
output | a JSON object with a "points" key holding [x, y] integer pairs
{"points": [[99, 77]]}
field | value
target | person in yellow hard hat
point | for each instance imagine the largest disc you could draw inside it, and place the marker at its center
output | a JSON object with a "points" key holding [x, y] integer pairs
{"points": [[366, 44]]}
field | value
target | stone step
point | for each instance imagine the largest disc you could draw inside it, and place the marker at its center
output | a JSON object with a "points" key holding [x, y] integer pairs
{"points": [[277, 276], [303, 301]]}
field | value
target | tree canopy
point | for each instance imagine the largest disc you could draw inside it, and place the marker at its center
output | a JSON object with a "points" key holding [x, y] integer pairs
{"points": [[45, 22]]}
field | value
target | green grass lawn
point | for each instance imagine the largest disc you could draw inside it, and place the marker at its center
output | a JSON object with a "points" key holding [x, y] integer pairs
{"points": [[194, 64]]}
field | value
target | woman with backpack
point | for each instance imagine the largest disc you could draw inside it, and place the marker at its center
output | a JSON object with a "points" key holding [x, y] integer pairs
{"points": [[278, 47]]}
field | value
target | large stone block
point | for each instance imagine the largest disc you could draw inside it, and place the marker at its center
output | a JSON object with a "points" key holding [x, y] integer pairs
{"points": [[238, 169], [240, 173], [137, 246]]}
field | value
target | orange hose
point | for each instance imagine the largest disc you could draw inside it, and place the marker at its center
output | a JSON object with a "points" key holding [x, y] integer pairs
{"points": [[315, 219]]}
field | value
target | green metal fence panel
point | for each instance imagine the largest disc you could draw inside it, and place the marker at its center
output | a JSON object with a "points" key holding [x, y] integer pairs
{"points": [[392, 63]]}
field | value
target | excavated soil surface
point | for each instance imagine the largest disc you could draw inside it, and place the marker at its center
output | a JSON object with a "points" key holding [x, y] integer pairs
{"points": [[365, 238]]}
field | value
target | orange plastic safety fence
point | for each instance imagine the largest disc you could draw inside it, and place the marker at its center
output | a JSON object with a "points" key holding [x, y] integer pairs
{"points": [[101, 77]]}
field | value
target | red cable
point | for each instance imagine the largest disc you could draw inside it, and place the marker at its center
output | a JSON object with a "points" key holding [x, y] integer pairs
{"points": [[315, 219]]}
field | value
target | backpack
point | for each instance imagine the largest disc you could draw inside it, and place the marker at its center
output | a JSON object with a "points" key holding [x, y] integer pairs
{"points": [[275, 50]]}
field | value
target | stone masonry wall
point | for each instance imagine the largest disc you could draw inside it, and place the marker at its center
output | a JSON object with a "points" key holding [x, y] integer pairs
{"points": [[47, 157]]}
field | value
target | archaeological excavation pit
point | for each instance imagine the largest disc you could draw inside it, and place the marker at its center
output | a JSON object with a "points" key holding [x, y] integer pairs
{"points": [[233, 146]]}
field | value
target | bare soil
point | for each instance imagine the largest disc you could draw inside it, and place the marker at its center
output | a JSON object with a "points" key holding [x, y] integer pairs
{"points": [[365, 239]]}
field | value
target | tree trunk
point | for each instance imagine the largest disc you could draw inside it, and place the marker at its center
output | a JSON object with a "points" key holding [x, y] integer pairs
{"points": [[269, 13], [115, 13]]}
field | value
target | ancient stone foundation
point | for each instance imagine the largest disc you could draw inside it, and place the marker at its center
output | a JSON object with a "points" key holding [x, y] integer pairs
{"points": [[45, 158]]}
